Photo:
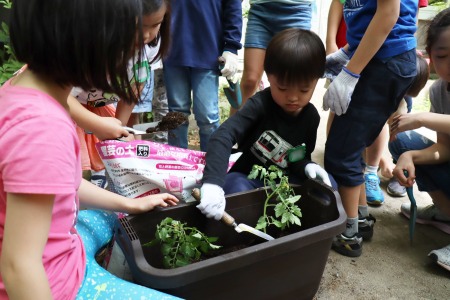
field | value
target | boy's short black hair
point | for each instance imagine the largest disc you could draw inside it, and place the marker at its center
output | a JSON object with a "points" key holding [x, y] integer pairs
{"points": [[295, 55], [423, 73], [85, 43]]}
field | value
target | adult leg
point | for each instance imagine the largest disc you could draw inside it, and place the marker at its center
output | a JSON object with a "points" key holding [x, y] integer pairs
{"points": [[205, 87], [236, 182], [178, 86]]}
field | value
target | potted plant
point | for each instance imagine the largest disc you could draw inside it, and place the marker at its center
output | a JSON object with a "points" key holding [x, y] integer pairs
{"points": [[289, 267]]}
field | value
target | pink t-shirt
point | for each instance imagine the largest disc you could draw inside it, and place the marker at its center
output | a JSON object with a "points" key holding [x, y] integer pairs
{"points": [[39, 154]]}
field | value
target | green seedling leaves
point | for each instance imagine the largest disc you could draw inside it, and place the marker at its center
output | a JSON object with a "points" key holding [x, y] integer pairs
{"points": [[280, 195], [181, 245]]}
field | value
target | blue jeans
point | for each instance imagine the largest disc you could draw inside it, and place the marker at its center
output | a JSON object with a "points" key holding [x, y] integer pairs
{"points": [[428, 177], [267, 19], [236, 182], [381, 87], [96, 229], [203, 85]]}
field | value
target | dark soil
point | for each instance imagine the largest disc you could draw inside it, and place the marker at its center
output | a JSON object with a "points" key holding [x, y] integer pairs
{"points": [[172, 120]]}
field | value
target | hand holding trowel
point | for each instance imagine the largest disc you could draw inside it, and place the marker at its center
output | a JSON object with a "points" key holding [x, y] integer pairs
{"points": [[230, 221], [233, 91]]}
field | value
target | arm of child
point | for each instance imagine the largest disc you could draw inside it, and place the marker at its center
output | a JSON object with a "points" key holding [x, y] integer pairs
{"points": [[103, 127], [379, 28], [27, 224], [124, 110], [335, 15], [95, 197], [434, 121]]}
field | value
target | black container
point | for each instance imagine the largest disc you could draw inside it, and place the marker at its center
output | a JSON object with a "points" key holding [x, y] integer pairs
{"points": [[289, 267]]}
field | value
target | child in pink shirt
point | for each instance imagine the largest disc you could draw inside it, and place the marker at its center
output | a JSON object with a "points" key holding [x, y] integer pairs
{"points": [[42, 255]]}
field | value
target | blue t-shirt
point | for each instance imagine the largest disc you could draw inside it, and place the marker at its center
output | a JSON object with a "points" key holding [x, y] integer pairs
{"points": [[359, 13]]}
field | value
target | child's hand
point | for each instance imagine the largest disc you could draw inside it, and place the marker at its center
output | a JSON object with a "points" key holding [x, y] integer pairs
{"points": [[140, 205], [334, 63], [405, 162], [109, 128], [314, 171], [404, 122], [212, 203], [339, 93]]}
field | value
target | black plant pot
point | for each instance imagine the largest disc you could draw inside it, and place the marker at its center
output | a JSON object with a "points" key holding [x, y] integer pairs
{"points": [[289, 267]]}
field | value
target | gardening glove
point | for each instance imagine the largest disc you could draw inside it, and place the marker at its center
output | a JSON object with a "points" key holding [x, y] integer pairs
{"points": [[334, 63], [230, 65], [339, 93], [212, 202], [314, 171]]}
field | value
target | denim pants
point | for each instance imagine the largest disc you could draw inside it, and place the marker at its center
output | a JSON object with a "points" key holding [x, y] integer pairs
{"points": [[267, 19], [96, 229], [381, 87], [198, 88], [428, 177]]}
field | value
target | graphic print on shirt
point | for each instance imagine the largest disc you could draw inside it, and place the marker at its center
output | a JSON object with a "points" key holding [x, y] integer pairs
{"points": [[270, 147], [352, 6], [96, 98]]}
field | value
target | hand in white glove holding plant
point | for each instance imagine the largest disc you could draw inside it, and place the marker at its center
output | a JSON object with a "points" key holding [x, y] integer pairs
{"points": [[314, 171], [230, 64], [339, 93], [212, 202]]}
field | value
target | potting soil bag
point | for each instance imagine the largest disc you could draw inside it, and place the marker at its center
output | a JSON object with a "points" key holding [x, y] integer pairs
{"points": [[140, 168]]}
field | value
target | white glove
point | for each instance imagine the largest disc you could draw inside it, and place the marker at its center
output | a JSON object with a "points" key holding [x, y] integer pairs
{"points": [[335, 62], [314, 171], [231, 64], [339, 93], [212, 202]]}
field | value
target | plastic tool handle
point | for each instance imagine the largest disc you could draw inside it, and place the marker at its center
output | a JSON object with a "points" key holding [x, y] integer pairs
{"points": [[226, 218]]}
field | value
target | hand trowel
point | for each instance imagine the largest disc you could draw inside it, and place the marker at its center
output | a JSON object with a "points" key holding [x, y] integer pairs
{"points": [[230, 221]]}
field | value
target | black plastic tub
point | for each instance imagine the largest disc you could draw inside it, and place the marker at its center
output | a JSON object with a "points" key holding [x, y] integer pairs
{"points": [[289, 267]]}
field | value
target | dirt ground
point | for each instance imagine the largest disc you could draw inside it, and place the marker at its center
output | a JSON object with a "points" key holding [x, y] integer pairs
{"points": [[390, 267]]}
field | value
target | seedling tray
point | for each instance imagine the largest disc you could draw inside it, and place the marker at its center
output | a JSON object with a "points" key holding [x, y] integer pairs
{"points": [[289, 267]]}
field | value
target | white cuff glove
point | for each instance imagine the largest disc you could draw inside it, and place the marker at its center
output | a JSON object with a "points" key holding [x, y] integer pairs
{"points": [[231, 64], [314, 171], [334, 63], [212, 202], [339, 93]]}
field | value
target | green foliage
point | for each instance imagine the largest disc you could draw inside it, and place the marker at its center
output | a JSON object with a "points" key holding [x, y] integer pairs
{"points": [[9, 63], [181, 245], [280, 195]]}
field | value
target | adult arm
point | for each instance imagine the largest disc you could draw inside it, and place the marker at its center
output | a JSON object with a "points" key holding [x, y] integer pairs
{"points": [[379, 28], [232, 25], [27, 224]]}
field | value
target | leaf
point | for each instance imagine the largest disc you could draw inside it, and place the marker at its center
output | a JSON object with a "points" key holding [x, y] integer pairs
{"points": [[279, 210], [253, 174], [197, 236], [212, 239], [294, 199], [296, 211], [165, 249], [296, 220], [277, 223], [181, 262], [285, 218]]}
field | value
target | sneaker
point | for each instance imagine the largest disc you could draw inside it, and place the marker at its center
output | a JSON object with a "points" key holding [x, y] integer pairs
{"points": [[365, 226], [395, 189], [428, 215], [441, 257], [348, 246], [374, 194], [100, 181]]}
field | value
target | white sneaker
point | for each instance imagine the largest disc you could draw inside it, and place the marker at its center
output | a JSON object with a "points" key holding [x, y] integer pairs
{"points": [[441, 257], [429, 215]]}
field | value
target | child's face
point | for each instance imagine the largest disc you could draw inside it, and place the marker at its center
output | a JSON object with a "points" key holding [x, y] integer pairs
{"points": [[291, 98], [440, 55], [151, 24]]}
